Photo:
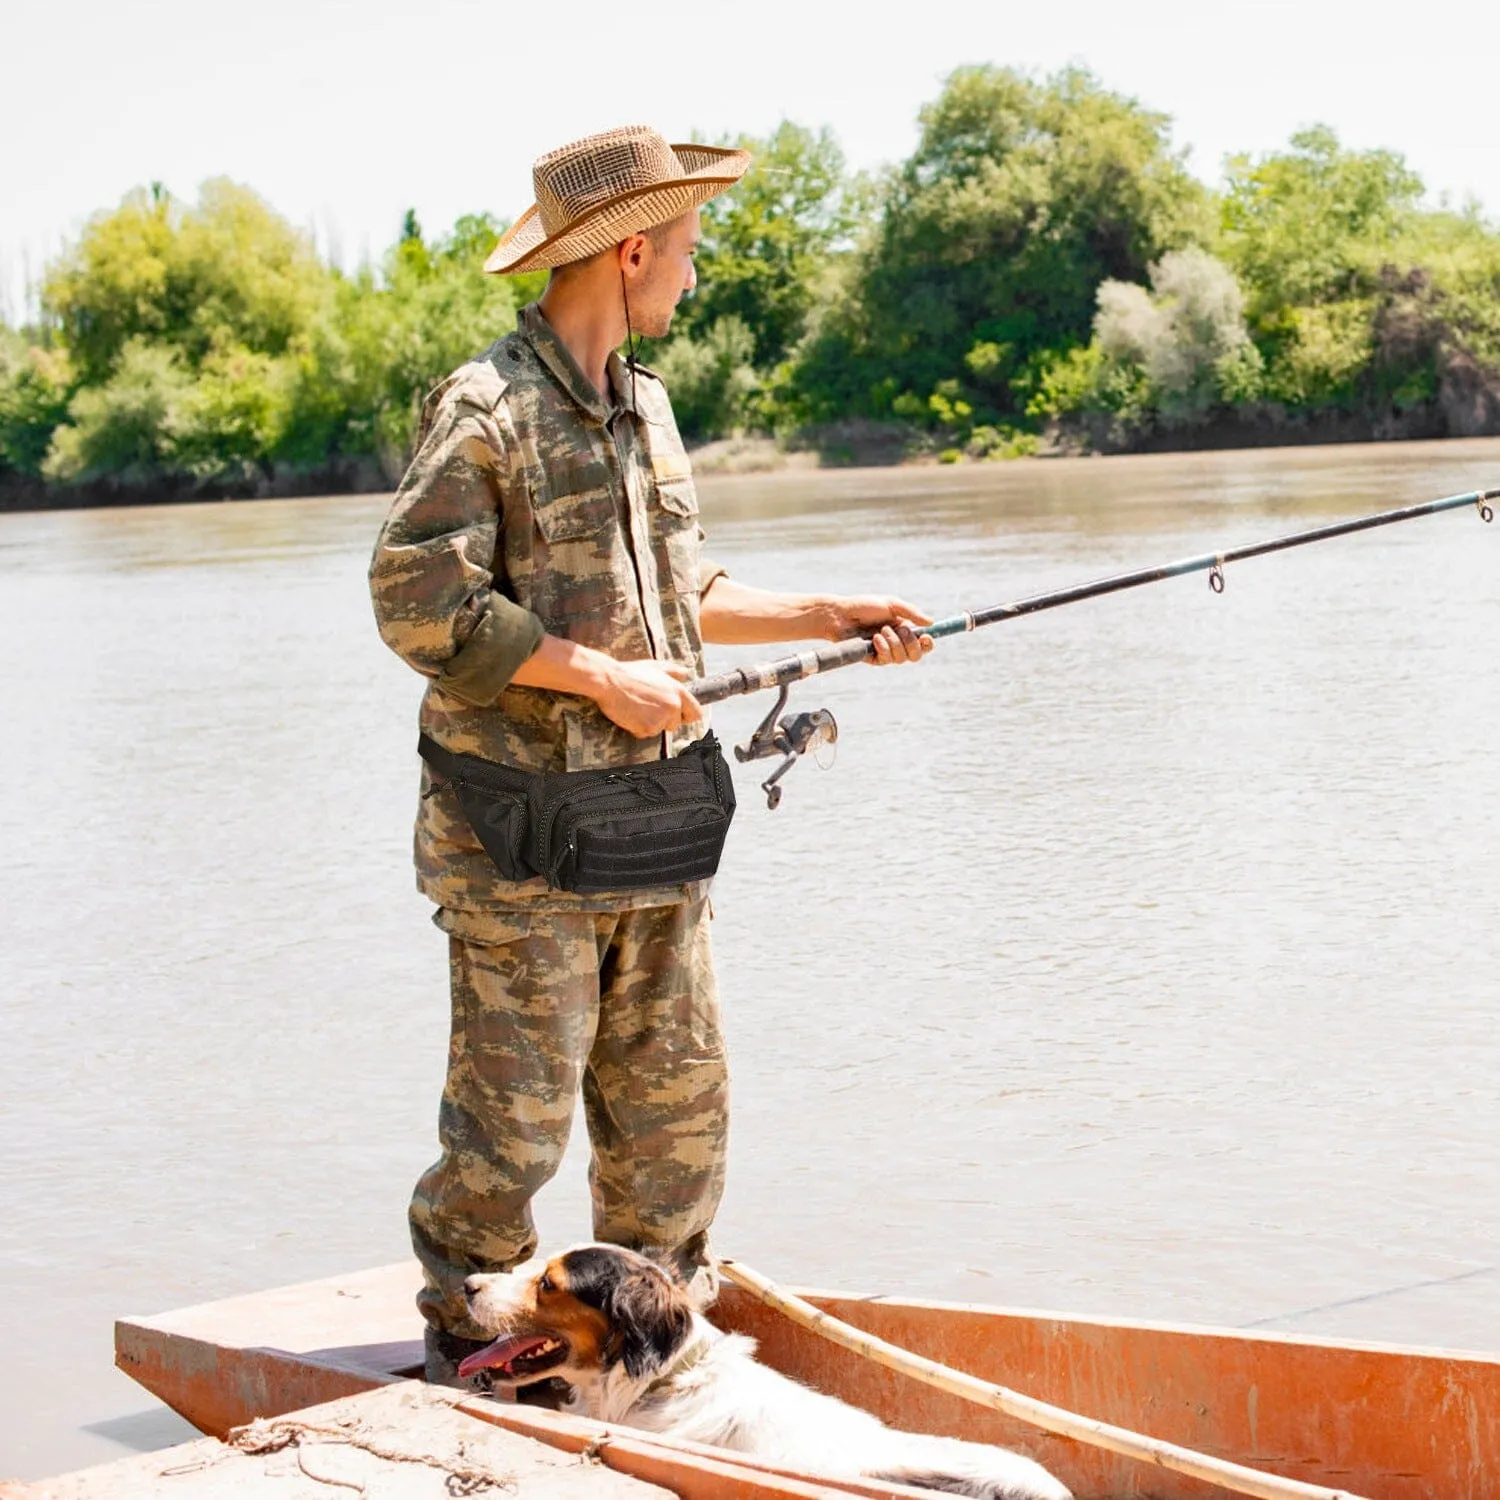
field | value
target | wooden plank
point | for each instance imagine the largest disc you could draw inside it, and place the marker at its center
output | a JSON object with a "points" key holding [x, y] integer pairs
{"points": [[694, 1471], [406, 1442], [362, 1308], [575, 1432], [220, 1386]]}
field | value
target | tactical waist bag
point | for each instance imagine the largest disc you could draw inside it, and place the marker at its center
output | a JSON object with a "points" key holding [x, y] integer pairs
{"points": [[661, 823]]}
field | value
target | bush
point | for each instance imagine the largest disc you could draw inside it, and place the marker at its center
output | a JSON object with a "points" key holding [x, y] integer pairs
{"points": [[1187, 334], [1321, 354], [1001, 442], [710, 379], [128, 426], [35, 388], [235, 415]]}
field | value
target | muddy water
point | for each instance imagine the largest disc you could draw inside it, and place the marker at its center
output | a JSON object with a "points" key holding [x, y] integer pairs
{"points": [[1139, 958]]}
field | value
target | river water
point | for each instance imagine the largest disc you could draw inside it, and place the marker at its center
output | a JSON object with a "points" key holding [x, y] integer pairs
{"points": [[1138, 958]]}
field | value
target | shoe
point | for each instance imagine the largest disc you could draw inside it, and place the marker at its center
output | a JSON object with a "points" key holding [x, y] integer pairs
{"points": [[444, 1352], [702, 1286]]}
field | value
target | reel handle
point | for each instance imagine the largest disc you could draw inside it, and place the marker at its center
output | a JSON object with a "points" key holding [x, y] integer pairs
{"points": [[790, 737]]}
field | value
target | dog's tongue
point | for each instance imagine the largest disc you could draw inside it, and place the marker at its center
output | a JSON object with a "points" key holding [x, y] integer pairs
{"points": [[498, 1356]]}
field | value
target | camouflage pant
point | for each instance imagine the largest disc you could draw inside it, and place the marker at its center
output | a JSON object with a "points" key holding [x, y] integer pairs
{"points": [[622, 1004]]}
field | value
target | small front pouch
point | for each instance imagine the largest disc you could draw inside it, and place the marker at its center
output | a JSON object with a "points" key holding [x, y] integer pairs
{"points": [[495, 801], [661, 823]]}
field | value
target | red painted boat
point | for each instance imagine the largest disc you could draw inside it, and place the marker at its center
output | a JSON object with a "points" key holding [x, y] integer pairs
{"points": [[1384, 1422]]}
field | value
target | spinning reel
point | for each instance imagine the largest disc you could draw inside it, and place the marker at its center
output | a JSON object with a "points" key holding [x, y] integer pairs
{"points": [[790, 737]]}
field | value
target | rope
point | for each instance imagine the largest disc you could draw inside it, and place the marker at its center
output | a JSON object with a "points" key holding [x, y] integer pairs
{"points": [[265, 1437], [1216, 1471]]}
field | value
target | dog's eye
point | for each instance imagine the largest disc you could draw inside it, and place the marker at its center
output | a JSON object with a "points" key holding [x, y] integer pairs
{"points": [[545, 1283]]}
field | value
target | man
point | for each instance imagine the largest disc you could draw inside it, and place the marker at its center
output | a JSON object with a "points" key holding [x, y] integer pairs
{"points": [[541, 565]]}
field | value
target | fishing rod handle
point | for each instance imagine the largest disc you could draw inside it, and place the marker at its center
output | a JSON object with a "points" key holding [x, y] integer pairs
{"points": [[785, 669]]}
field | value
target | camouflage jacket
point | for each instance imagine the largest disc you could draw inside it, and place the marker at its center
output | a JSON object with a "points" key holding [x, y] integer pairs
{"points": [[534, 506]]}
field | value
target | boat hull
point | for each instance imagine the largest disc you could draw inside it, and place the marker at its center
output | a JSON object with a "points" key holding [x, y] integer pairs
{"points": [[1384, 1422]]}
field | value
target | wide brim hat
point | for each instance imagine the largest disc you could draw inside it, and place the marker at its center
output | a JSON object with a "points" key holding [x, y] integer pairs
{"points": [[594, 193]]}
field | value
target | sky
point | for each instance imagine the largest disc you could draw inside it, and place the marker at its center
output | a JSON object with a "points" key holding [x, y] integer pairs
{"points": [[342, 116]]}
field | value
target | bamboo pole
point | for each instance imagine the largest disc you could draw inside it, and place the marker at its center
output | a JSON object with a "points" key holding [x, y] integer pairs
{"points": [[1133, 1445]]}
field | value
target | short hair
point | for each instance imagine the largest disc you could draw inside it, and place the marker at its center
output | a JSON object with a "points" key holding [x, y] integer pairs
{"points": [[658, 234]]}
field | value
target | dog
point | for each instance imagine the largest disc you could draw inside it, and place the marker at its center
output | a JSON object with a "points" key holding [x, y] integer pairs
{"points": [[623, 1333]]}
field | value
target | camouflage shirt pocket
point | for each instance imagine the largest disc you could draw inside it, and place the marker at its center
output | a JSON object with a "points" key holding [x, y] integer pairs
{"points": [[573, 498], [682, 538], [678, 498]]}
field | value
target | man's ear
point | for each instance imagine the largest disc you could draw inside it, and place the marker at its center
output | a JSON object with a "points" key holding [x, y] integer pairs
{"points": [[650, 1318], [633, 253]]}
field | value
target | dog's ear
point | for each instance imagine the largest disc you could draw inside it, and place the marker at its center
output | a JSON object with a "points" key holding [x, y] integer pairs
{"points": [[650, 1318]]}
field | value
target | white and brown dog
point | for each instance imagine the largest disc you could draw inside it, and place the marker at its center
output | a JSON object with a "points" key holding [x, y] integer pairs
{"points": [[624, 1335]]}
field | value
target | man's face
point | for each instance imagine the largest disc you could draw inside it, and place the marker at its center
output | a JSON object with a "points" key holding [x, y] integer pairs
{"points": [[667, 272]]}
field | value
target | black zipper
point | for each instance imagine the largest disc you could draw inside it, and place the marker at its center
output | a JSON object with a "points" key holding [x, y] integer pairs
{"points": [[583, 819], [605, 789]]}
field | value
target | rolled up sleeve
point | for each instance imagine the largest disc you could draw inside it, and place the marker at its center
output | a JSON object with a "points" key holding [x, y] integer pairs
{"points": [[707, 572], [438, 605], [504, 637]]}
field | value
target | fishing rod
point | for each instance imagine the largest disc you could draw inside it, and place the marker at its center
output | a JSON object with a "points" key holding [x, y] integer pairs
{"points": [[794, 735]]}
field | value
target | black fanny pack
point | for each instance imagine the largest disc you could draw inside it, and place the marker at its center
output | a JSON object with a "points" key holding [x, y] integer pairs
{"points": [[661, 823]]}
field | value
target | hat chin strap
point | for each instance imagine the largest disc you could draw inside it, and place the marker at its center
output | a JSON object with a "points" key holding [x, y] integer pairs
{"points": [[630, 339]]}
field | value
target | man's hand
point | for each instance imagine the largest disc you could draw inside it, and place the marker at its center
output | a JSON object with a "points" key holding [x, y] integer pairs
{"points": [[647, 697], [644, 697], [734, 614], [887, 621]]}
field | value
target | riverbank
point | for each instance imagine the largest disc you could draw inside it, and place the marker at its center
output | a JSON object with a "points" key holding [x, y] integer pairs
{"points": [[843, 445], [864, 444]]}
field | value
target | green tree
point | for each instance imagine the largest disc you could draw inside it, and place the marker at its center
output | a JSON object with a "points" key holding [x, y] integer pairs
{"points": [[399, 333], [1022, 196], [226, 272], [1327, 243], [767, 244], [1437, 323], [1315, 223]]}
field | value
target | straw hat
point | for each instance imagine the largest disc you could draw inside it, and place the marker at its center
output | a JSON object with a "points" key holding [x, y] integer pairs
{"points": [[593, 193]]}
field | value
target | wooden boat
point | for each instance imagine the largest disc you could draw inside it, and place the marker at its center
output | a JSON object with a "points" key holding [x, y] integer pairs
{"points": [[1384, 1422]]}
